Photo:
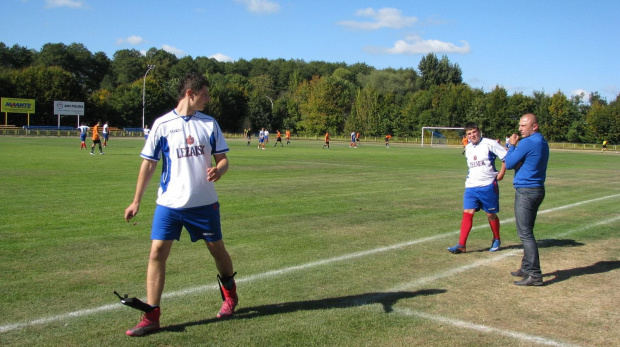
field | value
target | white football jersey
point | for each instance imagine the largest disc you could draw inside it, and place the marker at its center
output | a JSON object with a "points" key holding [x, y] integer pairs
{"points": [[186, 145], [481, 162]]}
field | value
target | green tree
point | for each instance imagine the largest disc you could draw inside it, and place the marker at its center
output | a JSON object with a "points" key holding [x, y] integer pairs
{"points": [[16, 57], [324, 105], [436, 72], [128, 66], [562, 116], [46, 85]]}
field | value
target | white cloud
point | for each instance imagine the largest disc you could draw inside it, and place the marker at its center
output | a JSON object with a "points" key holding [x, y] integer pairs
{"points": [[131, 40], [586, 94], [221, 57], [178, 52], [65, 3], [383, 18], [416, 45], [260, 6]]}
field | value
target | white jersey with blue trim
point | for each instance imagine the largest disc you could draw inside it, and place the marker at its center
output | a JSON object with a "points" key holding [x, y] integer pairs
{"points": [[481, 162], [186, 145]]}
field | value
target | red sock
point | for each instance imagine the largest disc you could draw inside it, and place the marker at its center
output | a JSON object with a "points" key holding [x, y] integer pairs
{"points": [[466, 223], [495, 228]]}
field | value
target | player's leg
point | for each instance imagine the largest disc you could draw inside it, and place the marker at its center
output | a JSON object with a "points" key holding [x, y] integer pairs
{"points": [[155, 279], [156, 271], [466, 224], [228, 287], [204, 223], [470, 205], [489, 196], [494, 224], [166, 228]]}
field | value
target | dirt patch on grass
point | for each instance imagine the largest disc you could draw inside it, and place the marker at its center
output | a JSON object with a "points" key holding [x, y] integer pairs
{"points": [[577, 304]]}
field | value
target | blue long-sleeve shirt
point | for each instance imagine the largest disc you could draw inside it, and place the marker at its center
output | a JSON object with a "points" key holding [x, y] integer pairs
{"points": [[533, 154]]}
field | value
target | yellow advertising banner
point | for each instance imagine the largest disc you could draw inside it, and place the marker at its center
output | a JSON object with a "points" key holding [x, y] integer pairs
{"points": [[15, 105]]}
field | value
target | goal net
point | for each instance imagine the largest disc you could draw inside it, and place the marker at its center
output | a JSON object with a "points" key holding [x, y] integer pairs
{"points": [[442, 136]]}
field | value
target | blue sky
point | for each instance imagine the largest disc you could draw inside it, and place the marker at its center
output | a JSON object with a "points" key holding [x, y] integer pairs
{"points": [[523, 46]]}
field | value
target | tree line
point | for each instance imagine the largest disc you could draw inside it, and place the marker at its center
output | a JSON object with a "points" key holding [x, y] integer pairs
{"points": [[307, 98]]}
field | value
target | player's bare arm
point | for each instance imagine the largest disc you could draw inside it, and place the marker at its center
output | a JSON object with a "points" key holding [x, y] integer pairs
{"points": [[216, 172], [502, 172], [144, 177]]}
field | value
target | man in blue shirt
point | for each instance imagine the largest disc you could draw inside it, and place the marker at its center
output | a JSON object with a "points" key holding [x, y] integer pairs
{"points": [[529, 160]]}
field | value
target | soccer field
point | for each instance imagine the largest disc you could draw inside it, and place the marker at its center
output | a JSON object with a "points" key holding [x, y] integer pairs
{"points": [[339, 247]]}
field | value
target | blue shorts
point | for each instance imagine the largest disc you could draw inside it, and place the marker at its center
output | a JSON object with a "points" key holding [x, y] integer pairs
{"points": [[83, 137], [486, 198], [202, 223], [105, 136]]}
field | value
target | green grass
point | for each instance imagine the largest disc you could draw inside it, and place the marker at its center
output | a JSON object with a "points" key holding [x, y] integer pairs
{"points": [[64, 247]]}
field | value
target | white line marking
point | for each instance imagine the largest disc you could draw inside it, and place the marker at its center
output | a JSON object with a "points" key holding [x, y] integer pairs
{"points": [[273, 273], [474, 326], [482, 328]]}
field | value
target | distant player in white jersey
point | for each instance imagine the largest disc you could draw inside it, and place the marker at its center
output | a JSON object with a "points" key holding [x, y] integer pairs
{"points": [[83, 132], [353, 143], [106, 134], [185, 140], [261, 138], [481, 189], [146, 131]]}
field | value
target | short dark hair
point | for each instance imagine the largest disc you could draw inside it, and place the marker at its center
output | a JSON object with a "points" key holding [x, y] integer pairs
{"points": [[470, 126], [192, 81]]}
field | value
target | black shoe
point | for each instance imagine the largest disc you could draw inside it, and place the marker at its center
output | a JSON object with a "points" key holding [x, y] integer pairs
{"points": [[519, 273], [530, 281]]}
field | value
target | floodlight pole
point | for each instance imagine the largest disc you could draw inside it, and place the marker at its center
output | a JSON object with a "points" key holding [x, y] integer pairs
{"points": [[150, 67], [270, 100]]}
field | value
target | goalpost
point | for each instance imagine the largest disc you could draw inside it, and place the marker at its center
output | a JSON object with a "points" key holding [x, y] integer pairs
{"points": [[437, 137]]}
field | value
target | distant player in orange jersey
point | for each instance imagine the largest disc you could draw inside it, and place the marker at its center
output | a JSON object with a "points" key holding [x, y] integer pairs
{"points": [[387, 140], [326, 141], [96, 139], [278, 138], [288, 137]]}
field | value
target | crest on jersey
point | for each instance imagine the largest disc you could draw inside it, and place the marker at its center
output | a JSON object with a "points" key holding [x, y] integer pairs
{"points": [[475, 156], [190, 140]]}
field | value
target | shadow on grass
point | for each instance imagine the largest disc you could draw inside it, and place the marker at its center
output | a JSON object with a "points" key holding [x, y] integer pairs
{"points": [[386, 299], [545, 243], [600, 267]]}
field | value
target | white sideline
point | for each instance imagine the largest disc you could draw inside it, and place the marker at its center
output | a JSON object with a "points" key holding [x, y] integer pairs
{"points": [[483, 328], [51, 319], [475, 326]]}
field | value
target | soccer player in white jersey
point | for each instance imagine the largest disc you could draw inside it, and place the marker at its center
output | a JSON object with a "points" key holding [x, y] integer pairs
{"points": [[261, 138], [481, 189], [83, 132], [184, 140], [106, 134]]}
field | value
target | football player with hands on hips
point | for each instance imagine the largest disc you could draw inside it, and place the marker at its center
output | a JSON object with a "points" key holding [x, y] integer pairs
{"points": [[481, 188], [187, 141]]}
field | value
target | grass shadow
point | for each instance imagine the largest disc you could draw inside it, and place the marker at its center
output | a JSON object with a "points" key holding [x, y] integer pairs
{"points": [[545, 243], [386, 299], [596, 268]]}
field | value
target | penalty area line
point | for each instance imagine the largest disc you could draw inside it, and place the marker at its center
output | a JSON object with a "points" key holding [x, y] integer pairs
{"points": [[273, 273]]}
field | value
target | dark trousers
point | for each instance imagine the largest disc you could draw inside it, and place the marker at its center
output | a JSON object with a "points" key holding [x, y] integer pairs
{"points": [[527, 201]]}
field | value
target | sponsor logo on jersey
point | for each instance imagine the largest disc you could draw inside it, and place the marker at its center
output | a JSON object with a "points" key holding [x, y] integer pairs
{"points": [[192, 151], [476, 163]]}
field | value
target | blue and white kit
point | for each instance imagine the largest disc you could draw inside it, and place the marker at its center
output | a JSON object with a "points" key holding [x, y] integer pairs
{"points": [[481, 162], [185, 146]]}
